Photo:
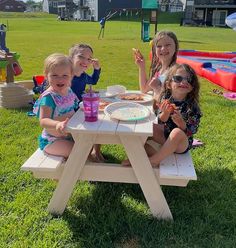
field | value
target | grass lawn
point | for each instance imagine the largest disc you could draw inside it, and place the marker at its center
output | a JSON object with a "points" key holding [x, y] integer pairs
{"points": [[106, 214]]}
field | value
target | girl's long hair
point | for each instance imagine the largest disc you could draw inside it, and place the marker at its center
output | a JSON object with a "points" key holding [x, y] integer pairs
{"points": [[155, 63]]}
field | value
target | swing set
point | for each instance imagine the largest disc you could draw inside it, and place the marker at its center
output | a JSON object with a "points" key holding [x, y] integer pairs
{"points": [[148, 12]]}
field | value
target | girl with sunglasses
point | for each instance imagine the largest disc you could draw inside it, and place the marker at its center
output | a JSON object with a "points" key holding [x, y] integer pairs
{"points": [[178, 113]]}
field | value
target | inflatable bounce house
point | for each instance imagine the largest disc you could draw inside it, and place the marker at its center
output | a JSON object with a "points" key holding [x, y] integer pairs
{"points": [[11, 95], [217, 67]]}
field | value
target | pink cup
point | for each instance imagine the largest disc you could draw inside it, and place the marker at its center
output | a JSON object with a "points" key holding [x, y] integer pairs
{"points": [[91, 105]]}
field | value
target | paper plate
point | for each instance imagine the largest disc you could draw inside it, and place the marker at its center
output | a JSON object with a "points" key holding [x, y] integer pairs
{"points": [[135, 97], [127, 111]]}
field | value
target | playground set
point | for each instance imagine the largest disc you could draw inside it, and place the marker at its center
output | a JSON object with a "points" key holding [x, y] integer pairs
{"points": [[12, 95], [149, 14]]}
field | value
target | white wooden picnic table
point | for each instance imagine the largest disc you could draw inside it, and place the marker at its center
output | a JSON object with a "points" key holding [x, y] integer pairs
{"points": [[175, 170], [132, 135]]}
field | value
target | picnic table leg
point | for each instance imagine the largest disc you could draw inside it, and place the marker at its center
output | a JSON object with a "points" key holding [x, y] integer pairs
{"points": [[146, 177], [73, 167]]}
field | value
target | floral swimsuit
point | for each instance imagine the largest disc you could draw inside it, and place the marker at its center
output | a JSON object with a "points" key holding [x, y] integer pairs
{"points": [[60, 105]]}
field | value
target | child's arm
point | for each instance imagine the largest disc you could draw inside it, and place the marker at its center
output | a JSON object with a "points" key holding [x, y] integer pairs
{"points": [[93, 79], [178, 120], [166, 109], [140, 62], [54, 127], [193, 121], [190, 126], [96, 64], [155, 85]]}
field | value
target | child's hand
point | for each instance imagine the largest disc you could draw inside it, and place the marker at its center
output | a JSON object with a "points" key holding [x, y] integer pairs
{"points": [[95, 63], [166, 107], [178, 119], [138, 58], [60, 127], [137, 53], [155, 84]]}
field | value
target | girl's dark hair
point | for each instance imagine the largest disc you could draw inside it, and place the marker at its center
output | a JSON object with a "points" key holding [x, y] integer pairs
{"points": [[192, 96], [155, 63], [75, 49]]}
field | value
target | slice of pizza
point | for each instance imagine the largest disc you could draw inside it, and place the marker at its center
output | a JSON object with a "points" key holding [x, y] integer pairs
{"points": [[137, 53], [132, 97]]}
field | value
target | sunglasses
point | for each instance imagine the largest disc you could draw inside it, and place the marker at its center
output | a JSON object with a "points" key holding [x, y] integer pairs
{"points": [[178, 79]]}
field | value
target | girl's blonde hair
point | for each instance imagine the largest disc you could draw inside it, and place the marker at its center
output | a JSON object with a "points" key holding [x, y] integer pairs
{"points": [[75, 49], [192, 96], [155, 63], [57, 59]]}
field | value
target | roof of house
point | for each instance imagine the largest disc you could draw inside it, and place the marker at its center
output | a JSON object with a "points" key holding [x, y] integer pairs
{"points": [[2, 2]]}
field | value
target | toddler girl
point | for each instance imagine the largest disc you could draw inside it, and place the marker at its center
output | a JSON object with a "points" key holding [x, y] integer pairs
{"points": [[56, 105]]}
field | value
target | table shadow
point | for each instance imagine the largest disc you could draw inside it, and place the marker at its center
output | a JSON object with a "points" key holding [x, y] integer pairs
{"points": [[123, 215]]}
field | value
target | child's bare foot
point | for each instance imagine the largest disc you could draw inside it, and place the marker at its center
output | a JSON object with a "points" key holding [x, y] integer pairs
{"points": [[126, 163], [93, 158], [100, 157], [155, 165]]}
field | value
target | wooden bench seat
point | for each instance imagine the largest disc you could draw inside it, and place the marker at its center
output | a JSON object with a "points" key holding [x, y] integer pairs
{"points": [[175, 170], [43, 165]]}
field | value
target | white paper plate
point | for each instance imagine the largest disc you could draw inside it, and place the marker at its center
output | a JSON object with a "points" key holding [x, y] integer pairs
{"points": [[145, 97], [127, 111]]}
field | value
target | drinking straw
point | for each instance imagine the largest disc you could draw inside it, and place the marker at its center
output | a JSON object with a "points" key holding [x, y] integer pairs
{"points": [[90, 90]]}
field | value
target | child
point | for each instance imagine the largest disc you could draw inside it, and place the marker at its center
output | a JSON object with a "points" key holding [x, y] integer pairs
{"points": [[82, 57], [165, 47], [56, 105], [179, 114]]}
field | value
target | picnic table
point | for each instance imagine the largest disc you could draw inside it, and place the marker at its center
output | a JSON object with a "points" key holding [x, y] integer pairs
{"points": [[177, 169]]}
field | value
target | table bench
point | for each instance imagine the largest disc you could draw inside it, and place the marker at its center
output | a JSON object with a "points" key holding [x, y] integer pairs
{"points": [[175, 170]]}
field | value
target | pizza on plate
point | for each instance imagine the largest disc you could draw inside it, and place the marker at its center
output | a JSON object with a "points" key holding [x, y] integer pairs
{"points": [[102, 104], [132, 97]]}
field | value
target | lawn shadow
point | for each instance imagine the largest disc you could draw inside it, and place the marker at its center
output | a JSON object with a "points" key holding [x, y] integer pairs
{"points": [[117, 213]]}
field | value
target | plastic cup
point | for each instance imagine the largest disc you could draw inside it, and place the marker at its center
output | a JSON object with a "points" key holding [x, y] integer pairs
{"points": [[91, 104]]}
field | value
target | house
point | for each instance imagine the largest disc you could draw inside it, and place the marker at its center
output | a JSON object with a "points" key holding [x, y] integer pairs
{"points": [[63, 8], [12, 6], [208, 12], [171, 5], [97, 9], [92, 9]]}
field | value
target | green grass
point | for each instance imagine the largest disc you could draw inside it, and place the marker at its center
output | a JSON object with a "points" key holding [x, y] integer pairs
{"points": [[106, 214]]}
